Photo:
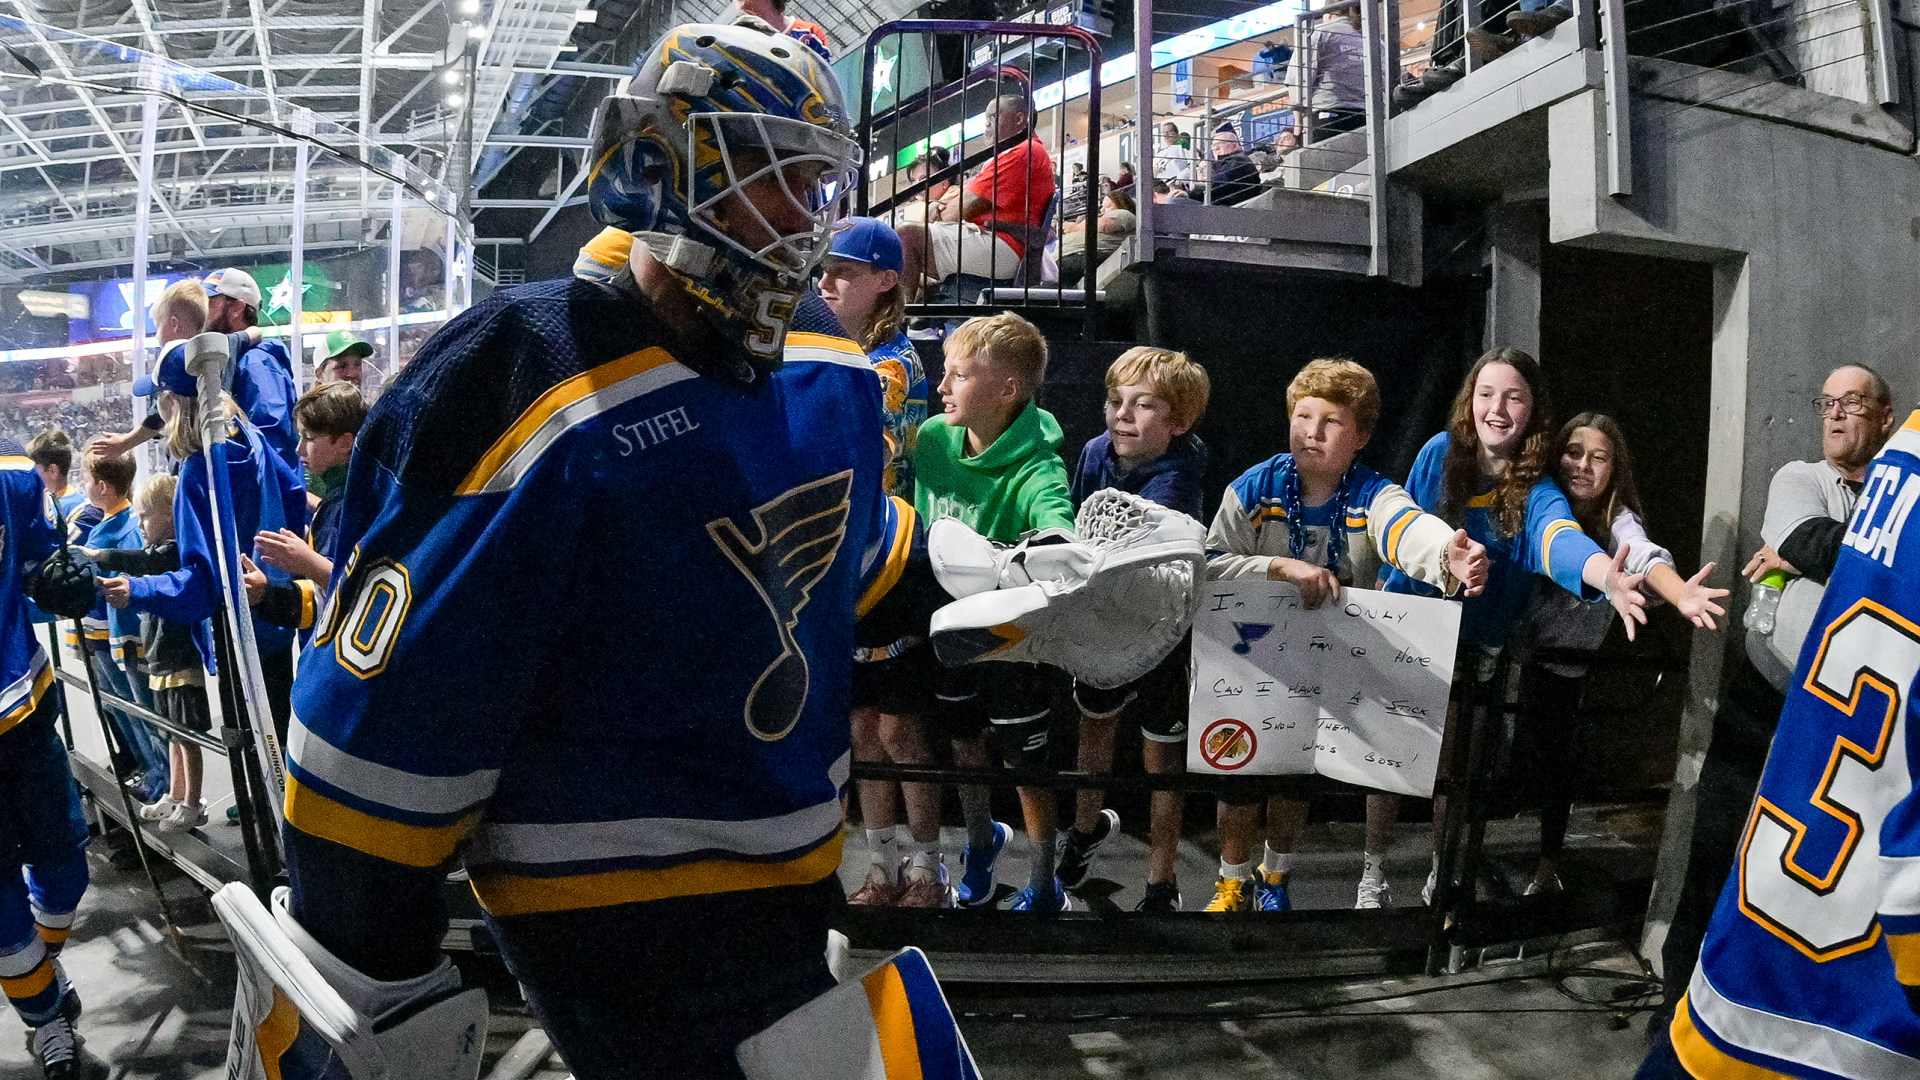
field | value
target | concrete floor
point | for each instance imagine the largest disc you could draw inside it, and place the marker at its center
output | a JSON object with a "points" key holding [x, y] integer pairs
{"points": [[150, 1015]]}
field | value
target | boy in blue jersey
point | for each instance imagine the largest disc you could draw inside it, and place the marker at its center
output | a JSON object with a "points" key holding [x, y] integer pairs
{"points": [[112, 635], [650, 818], [43, 837], [992, 460], [1318, 518], [1811, 964], [1154, 397]]}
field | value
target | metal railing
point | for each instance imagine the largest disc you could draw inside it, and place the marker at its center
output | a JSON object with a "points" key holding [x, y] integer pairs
{"points": [[984, 260]]}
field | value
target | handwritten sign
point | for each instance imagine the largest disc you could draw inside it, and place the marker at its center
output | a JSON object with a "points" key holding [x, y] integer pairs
{"points": [[1356, 690]]}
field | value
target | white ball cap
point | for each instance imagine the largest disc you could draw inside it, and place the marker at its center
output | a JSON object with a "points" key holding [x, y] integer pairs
{"points": [[235, 283]]}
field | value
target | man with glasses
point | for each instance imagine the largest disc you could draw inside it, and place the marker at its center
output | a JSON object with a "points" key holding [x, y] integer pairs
{"points": [[1808, 504]]}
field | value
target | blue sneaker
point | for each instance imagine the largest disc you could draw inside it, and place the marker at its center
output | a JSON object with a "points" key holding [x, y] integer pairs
{"points": [[976, 884], [1028, 900], [1270, 892]]}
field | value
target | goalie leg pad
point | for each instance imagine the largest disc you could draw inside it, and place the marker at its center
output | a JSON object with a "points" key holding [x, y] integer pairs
{"points": [[893, 1022], [311, 1016]]}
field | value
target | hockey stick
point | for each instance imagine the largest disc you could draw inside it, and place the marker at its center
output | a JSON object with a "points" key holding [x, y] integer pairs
{"points": [[207, 357]]}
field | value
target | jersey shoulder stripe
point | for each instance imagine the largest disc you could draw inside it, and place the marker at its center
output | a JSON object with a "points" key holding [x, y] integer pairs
{"points": [[567, 405], [823, 348]]}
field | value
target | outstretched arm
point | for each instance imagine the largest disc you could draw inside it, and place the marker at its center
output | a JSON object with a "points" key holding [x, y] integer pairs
{"points": [[1691, 597]]}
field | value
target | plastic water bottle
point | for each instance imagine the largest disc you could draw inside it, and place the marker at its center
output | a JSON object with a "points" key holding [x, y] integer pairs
{"points": [[1765, 601]]}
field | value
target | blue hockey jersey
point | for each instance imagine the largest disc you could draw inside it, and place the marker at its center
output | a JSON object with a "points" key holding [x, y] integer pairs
{"points": [[595, 621], [261, 380], [1818, 928], [267, 494], [27, 536], [1550, 545], [117, 629]]}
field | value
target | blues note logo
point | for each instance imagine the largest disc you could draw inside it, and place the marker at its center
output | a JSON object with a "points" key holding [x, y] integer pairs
{"points": [[799, 535], [1249, 633]]}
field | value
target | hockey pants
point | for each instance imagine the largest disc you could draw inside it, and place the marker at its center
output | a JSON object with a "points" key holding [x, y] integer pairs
{"points": [[43, 863]]}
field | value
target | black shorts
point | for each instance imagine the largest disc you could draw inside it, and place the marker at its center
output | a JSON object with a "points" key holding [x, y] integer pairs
{"points": [[185, 706], [1015, 700], [1156, 700], [899, 686]]}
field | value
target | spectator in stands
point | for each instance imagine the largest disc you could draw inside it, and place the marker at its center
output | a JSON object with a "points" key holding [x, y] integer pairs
{"points": [[349, 359], [267, 494], [1317, 518], [894, 669], [1270, 63], [1488, 473], [1116, 223], [986, 228], [52, 454], [1173, 157], [1595, 471], [1073, 197], [1338, 94], [259, 375], [774, 14], [112, 638], [330, 417], [933, 162], [1808, 504], [992, 460], [1154, 397], [1124, 181], [174, 674], [1235, 178]]}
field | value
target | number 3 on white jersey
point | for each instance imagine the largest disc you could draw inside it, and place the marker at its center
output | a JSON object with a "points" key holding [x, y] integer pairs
{"points": [[1819, 891]]}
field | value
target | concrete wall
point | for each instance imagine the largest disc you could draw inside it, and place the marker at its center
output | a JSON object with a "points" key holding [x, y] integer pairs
{"points": [[1815, 244]]}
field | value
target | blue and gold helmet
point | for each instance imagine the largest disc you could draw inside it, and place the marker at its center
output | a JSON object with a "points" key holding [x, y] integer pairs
{"points": [[729, 155]]}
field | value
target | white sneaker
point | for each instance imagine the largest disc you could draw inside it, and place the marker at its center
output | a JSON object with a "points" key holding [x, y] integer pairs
{"points": [[183, 817], [157, 811], [1374, 894]]}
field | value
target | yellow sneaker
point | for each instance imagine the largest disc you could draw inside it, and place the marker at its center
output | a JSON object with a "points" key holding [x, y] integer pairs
{"points": [[1230, 894]]}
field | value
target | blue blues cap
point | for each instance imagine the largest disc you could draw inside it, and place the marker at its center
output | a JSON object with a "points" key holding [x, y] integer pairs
{"points": [[871, 241]]}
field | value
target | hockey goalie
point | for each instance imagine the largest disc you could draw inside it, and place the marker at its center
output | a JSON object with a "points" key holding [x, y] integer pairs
{"points": [[686, 458]]}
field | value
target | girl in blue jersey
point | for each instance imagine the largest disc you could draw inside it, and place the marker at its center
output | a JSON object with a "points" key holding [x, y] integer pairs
{"points": [[892, 678], [1595, 470], [266, 493], [1487, 473]]}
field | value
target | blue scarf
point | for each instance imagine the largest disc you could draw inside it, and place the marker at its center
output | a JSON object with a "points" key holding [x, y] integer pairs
{"points": [[1296, 514]]}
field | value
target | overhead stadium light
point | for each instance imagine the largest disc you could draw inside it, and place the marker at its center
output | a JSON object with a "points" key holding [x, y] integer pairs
{"points": [[454, 101]]}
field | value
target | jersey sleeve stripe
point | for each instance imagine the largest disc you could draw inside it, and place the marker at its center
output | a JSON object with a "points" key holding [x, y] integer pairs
{"points": [[510, 895], [1701, 1058], [306, 602], [1799, 1042], [382, 785], [565, 405], [1899, 887], [1395, 530], [1905, 951], [1547, 535], [824, 349], [410, 845], [1906, 440], [15, 463], [898, 550], [1481, 502], [14, 707]]}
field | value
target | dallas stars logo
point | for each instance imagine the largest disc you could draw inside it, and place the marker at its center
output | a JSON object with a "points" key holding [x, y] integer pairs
{"points": [[799, 534]]}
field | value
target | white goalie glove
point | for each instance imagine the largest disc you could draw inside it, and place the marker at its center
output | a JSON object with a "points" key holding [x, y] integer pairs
{"points": [[1106, 602], [301, 1014]]}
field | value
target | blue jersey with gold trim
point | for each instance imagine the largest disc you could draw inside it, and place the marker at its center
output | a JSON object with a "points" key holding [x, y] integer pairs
{"points": [[1549, 544], [1818, 925], [28, 534], [595, 621]]}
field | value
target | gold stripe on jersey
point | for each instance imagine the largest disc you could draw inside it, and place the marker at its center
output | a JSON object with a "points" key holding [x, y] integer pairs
{"points": [[1702, 1058], [564, 405], [899, 547], [410, 845]]}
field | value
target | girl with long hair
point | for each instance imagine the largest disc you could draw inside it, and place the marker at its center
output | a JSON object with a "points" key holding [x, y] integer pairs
{"points": [[1594, 468], [893, 678], [1487, 474]]}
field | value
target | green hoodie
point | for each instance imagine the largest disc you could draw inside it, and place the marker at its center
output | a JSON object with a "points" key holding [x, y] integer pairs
{"points": [[1019, 484]]}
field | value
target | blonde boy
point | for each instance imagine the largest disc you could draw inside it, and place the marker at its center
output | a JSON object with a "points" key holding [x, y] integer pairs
{"points": [[992, 459], [1154, 397]]}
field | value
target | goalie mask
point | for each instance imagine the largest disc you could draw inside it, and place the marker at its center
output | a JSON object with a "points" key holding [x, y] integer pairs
{"points": [[728, 155]]}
